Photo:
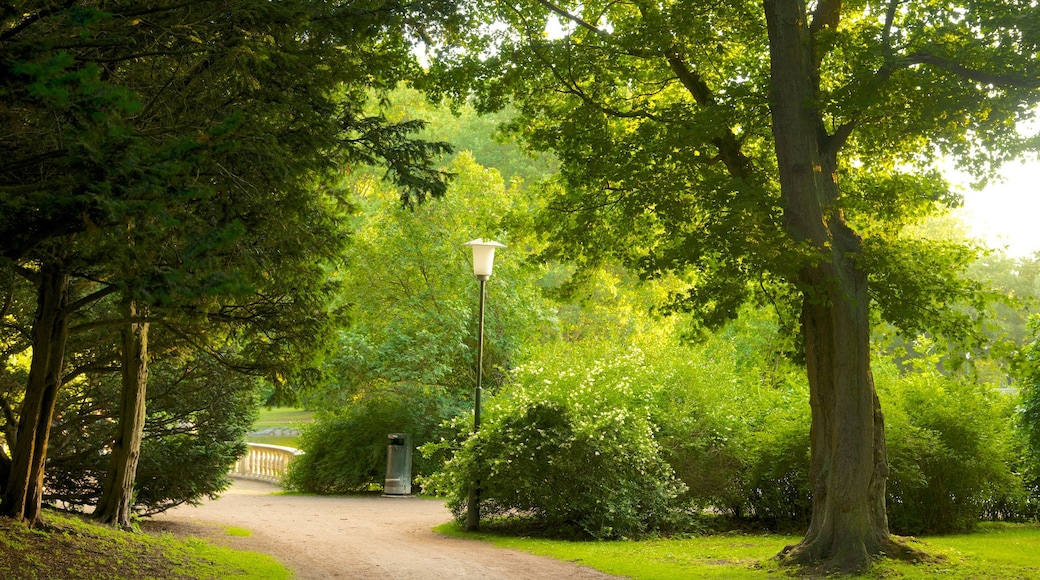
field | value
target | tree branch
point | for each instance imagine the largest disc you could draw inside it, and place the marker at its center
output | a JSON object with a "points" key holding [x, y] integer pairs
{"points": [[31, 275], [834, 142], [91, 298], [826, 15], [972, 74], [691, 80], [89, 367], [886, 33], [572, 17], [87, 326], [9, 299], [33, 18]]}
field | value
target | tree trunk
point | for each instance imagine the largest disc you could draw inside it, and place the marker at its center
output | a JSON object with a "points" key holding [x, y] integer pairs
{"points": [[23, 496], [848, 460], [114, 506], [11, 435]]}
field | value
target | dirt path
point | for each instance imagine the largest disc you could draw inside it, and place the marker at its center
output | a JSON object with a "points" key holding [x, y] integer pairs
{"points": [[356, 537]]}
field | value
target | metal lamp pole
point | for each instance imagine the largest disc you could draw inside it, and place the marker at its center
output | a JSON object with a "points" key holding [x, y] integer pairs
{"points": [[483, 262]]}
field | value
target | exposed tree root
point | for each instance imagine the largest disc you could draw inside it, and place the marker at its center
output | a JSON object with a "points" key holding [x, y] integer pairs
{"points": [[814, 563]]}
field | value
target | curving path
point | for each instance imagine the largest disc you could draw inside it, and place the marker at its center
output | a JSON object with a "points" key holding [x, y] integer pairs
{"points": [[323, 537]]}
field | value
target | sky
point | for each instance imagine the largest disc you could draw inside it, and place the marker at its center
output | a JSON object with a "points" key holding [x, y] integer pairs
{"points": [[1006, 214]]}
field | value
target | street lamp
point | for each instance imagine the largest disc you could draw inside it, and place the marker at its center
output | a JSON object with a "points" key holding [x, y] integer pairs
{"points": [[483, 262]]}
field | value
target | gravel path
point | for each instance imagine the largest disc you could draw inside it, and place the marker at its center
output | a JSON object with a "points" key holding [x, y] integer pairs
{"points": [[324, 537]]}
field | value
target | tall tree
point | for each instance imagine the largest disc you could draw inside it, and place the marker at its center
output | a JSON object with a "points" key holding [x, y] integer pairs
{"points": [[116, 502], [211, 127], [748, 143]]}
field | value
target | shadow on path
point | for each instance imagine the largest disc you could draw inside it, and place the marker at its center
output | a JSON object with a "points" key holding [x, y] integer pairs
{"points": [[375, 537]]}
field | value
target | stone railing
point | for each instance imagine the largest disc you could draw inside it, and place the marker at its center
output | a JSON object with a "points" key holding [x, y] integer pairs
{"points": [[264, 462]]}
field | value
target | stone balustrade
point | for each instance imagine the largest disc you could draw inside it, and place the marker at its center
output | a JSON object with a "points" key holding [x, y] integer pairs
{"points": [[264, 462]]}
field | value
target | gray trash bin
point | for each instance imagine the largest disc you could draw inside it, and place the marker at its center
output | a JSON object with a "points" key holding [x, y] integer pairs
{"points": [[398, 465]]}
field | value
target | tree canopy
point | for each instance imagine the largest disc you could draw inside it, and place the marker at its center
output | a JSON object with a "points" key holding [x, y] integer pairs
{"points": [[781, 146], [184, 155]]}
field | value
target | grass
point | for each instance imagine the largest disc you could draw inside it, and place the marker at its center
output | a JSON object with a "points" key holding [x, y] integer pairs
{"points": [[71, 548], [237, 532], [995, 551], [279, 417], [282, 417]]}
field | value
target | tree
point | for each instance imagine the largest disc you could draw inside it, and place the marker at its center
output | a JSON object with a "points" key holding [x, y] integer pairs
{"points": [[411, 294], [780, 145], [198, 410], [117, 491], [407, 361], [198, 140]]}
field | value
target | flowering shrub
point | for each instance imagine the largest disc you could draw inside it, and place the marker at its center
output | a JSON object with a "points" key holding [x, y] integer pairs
{"points": [[572, 447], [602, 443]]}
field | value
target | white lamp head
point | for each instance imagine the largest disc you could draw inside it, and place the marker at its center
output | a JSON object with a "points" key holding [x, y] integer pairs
{"points": [[483, 257]]}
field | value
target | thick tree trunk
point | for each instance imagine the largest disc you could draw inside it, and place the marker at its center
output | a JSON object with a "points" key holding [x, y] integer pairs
{"points": [[849, 467], [23, 495], [116, 501]]}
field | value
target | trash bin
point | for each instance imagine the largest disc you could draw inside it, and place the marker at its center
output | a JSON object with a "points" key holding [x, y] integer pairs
{"points": [[398, 465]]}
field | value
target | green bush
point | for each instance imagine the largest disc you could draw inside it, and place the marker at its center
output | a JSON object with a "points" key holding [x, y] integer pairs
{"points": [[737, 434], [1027, 374], [570, 445], [596, 443], [734, 425], [951, 451], [345, 450], [776, 480]]}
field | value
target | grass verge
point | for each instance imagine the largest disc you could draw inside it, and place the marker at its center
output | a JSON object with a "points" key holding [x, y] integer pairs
{"points": [[71, 548], [995, 551]]}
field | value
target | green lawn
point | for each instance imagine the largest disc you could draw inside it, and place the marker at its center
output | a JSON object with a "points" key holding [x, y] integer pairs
{"points": [[996, 551], [283, 417]]}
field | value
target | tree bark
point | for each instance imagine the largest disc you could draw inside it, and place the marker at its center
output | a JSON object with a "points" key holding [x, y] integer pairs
{"points": [[23, 496], [116, 502], [849, 466]]}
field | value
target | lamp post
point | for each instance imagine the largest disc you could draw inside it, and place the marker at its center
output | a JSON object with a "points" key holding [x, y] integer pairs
{"points": [[483, 262]]}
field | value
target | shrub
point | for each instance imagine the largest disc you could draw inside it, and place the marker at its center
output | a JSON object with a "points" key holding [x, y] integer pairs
{"points": [[734, 424], [604, 444], [345, 450], [571, 446], [951, 450], [776, 480], [1027, 374]]}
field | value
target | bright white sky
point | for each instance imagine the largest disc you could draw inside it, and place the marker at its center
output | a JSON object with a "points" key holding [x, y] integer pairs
{"points": [[1006, 214]]}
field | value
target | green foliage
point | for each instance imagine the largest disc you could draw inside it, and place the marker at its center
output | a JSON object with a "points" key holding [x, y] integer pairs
{"points": [[1027, 375], [953, 454], [570, 445], [411, 296], [734, 423], [407, 361], [345, 450], [729, 420], [197, 415], [186, 155], [776, 481], [481, 135], [666, 147]]}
